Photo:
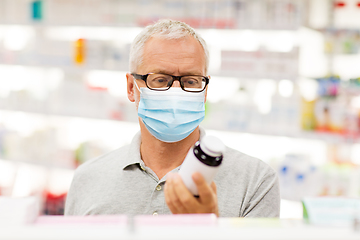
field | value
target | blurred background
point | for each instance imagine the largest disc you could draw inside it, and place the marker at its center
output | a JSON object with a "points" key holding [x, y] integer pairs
{"points": [[285, 88]]}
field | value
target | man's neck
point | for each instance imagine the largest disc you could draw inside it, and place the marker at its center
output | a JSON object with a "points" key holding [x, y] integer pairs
{"points": [[163, 157]]}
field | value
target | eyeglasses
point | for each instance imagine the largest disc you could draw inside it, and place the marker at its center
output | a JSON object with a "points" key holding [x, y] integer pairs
{"points": [[162, 82]]}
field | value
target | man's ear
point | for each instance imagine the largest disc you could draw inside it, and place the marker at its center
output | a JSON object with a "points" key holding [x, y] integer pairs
{"points": [[130, 87], [206, 93]]}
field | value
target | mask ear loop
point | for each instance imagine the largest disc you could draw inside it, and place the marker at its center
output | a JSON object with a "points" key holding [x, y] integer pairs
{"points": [[137, 85]]}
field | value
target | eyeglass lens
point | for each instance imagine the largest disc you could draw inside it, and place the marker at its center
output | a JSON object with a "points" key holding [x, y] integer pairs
{"points": [[163, 81]]}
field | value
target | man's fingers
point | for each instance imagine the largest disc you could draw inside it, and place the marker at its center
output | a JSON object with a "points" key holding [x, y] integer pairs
{"points": [[171, 197], [181, 200], [206, 193], [168, 197], [185, 196], [213, 187]]}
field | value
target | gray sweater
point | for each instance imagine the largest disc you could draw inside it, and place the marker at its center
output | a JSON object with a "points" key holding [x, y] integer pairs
{"points": [[120, 183]]}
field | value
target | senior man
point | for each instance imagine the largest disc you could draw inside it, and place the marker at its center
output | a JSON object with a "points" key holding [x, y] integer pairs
{"points": [[168, 84]]}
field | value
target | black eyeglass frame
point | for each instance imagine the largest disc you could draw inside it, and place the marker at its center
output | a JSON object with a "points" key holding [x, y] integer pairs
{"points": [[174, 78]]}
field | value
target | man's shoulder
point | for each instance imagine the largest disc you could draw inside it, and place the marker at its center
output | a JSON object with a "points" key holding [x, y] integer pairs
{"points": [[237, 161], [250, 183], [93, 179], [111, 160]]}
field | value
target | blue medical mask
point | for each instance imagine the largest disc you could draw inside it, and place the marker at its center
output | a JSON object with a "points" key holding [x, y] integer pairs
{"points": [[171, 115]]}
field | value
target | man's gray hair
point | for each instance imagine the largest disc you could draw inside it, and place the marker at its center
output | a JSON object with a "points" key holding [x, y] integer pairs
{"points": [[165, 28]]}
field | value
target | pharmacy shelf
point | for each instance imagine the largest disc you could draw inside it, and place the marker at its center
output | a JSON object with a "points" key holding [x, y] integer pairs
{"points": [[328, 137], [36, 163], [45, 24], [72, 68], [129, 115], [69, 68], [116, 26], [225, 229]]}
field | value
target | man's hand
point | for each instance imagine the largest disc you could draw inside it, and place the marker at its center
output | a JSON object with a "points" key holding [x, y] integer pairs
{"points": [[180, 200]]}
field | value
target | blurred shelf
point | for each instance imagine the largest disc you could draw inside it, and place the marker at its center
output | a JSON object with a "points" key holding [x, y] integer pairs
{"points": [[332, 138], [46, 24], [81, 69], [39, 164], [69, 68], [224, 228], [257, 75], [133, 25], [328, 137], [63, 116]]}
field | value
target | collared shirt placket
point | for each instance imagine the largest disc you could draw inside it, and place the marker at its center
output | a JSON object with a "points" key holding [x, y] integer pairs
{"points": [[157, 197]]}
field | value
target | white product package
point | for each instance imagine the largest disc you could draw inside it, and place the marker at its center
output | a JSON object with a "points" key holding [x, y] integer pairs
{"points": [[15, 211]]}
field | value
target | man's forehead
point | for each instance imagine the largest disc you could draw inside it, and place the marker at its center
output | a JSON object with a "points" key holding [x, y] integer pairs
{"points": [[172, 56], [160, 69]]}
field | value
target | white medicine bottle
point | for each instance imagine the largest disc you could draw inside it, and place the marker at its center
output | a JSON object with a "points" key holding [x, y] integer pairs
{"points": [[204, 157]]}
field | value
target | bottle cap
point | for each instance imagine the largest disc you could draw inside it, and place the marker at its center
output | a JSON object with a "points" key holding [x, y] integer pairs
{"points": [[212, 146]]}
